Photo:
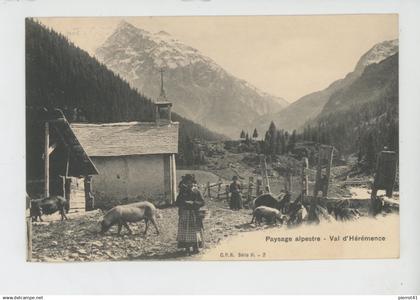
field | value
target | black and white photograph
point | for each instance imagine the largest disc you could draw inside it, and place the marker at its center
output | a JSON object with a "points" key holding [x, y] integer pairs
{"points": [[212, 138], [182, 148]]}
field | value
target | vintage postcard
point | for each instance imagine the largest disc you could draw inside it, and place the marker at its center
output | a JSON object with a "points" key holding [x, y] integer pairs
{"points": [[212, 138]]}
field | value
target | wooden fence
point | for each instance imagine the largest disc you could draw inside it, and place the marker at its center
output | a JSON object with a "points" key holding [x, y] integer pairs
{"points": [[220, 190], [316, 180]]}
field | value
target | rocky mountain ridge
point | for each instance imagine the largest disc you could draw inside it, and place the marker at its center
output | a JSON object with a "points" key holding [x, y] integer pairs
{"points": [[199, 88]]}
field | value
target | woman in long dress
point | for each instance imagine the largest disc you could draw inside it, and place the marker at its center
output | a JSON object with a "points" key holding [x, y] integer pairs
{"points": [[190, 225], [235, 194]]}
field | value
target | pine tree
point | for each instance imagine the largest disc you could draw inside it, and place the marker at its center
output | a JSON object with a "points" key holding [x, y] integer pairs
{"points": [[272, 142], [242, 136], [255, 134], [292, 141], [60, 75], [278, 142]]}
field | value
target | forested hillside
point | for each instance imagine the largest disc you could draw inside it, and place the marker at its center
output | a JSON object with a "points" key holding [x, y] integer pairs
{"points": [[363, 118], [359, 119], [310, 106], [61, 75]]}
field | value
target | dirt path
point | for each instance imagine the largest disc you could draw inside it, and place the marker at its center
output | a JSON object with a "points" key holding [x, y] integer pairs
{"points": [[327, 240], [78, 239]]}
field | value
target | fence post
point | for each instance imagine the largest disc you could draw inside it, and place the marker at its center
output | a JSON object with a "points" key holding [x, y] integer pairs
{"points": [[289, 181], [318, 172], [304, 176], [227, 193], [263, 164], [208, 189], [219, 187], [322, 181], [328, 170], [250, 186], [259, 184]]}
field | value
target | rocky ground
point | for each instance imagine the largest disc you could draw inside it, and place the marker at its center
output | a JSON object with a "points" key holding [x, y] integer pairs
{"points": [[78, 239]]}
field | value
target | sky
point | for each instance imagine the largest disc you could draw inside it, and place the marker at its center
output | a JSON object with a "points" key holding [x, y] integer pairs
{"points": [[286, 56]]}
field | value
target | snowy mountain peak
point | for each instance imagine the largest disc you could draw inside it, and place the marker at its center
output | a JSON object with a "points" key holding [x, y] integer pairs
{"points": [[124, 24], [164, 33], [377, 54], [165, 50], [199, 88]]}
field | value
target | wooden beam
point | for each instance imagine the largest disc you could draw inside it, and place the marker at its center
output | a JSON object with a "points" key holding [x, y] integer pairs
{"points": [[266, 176], [318, 172], [390, 201], [47, 161], [263, 164], [57, 120], [304, 178], [28, 229], [208, 189], [28, 239], [250, 186], [328, 169], [63, 185], [67, 163], [357, 182], [63, 140], [259, 183], [52, 148], [173, 178]]}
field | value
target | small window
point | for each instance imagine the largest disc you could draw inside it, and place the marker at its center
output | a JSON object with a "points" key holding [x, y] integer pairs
{"points": [[164, 113]]}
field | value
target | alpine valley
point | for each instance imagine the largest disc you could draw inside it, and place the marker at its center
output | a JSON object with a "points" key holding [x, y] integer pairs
{"points": [[310, 106], [199, 88]]}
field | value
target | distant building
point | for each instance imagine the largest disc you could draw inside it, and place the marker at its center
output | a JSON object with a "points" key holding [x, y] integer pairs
{"points": [[135, 160]]}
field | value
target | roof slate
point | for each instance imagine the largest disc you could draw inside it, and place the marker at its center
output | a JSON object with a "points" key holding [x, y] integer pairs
{"points": [[132, 138]]}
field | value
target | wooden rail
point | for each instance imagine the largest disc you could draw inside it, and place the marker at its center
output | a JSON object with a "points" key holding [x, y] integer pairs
{"points": [[357, 182], [220, 190]]}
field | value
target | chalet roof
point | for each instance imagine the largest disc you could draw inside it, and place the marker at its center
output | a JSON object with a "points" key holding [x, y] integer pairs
{"points": [[81, 163], [130, 138]]}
